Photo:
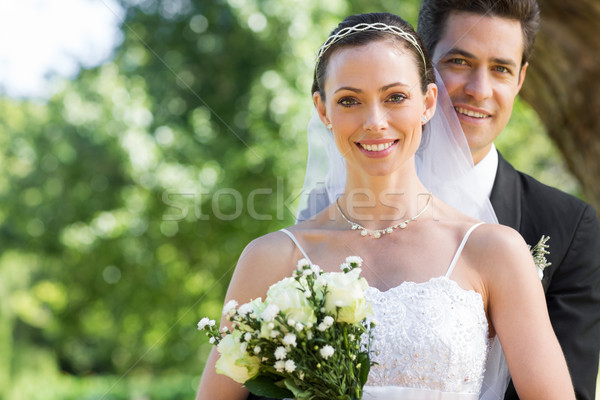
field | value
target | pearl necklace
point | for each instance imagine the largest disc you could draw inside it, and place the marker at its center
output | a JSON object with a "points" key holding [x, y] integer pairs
{"points": [[378, 232]]}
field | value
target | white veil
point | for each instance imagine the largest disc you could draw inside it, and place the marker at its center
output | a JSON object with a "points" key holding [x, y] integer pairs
{"points": [[444, 165]]}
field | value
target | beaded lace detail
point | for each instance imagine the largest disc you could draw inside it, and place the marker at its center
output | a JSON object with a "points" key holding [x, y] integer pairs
{"points": [[431, 335]]}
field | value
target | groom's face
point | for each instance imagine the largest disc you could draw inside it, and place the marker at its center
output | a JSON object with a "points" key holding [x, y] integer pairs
{"points": [[479, 59]]}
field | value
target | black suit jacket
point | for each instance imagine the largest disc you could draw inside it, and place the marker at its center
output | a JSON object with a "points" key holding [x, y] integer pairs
{"points": [[572, 282]]}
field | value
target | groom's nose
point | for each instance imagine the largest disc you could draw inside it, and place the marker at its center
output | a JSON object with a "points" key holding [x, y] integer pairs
{"points": [[479, 85]]}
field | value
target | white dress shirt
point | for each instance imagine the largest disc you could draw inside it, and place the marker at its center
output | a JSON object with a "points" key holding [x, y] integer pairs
{"points": [[486, 169]]}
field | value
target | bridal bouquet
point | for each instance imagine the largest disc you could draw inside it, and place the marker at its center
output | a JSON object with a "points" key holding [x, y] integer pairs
{"points": [[308, 340]]}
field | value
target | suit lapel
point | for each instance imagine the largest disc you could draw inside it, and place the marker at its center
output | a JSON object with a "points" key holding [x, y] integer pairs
{"points": [[506, 195]]}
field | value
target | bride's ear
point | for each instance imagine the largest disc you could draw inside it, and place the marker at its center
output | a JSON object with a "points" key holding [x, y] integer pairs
{"points": [[320, 105], [430, 101]]}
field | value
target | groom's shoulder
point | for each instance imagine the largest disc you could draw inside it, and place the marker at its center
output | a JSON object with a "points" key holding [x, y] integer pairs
{"points": [[539, 197]]}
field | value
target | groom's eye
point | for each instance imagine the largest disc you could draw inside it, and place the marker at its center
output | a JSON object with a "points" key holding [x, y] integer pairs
{"points": [[458, 61], [502, 69]]}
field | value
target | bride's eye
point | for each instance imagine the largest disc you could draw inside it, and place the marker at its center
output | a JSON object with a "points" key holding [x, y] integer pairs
{"points": [[397, 98], [347, 101]]}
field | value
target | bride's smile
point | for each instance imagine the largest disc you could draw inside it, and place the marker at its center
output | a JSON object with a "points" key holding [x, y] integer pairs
{"points": [[377, 148]]}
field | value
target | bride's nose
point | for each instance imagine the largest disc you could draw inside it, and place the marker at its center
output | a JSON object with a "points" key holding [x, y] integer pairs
{"points": [[375, 118]]}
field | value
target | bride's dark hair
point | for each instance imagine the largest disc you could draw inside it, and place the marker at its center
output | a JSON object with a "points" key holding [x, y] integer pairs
{"points": [[371, 35]]}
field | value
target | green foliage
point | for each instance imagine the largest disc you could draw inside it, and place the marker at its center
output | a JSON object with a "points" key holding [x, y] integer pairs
{"points": [[126, 198], [524, 142]]}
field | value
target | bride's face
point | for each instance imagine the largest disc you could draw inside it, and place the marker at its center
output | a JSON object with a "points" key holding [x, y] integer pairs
{"points": [[374, 102]]}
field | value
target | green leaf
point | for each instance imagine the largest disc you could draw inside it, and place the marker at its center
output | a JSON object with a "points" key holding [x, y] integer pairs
{"points": [[298, 393], [365, 367], [267, 386]]}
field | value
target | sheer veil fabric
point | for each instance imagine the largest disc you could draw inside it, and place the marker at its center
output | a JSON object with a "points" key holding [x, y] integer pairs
{"points": [[445, 167]]}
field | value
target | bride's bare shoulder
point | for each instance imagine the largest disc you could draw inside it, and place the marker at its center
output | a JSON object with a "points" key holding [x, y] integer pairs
{"points": [[264, 261], [500, 250], [271, 251]]}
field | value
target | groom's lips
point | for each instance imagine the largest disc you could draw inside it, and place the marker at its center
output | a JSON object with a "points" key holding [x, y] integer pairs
{"points": [[471, 114]]}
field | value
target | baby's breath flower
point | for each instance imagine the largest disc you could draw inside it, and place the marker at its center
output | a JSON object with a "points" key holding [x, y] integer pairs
{"points": [[204, 322], [279, 366], [280, 353], [211, 340], [299, 326], [326, 323], [229, 307], [303, 262], [289, 340], [354, 260], [307, 293], [243, 347], [257, 349], [247, 336], [307, 272], [316, 269], [327, 351], [274, 334], [225, 329], [345, 267], [291, 322], [290, 366], [271, 325], [244, 309]]}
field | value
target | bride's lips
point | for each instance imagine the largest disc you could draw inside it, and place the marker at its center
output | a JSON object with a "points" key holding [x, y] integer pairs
{"points": [[471, 115], [377, 148]]}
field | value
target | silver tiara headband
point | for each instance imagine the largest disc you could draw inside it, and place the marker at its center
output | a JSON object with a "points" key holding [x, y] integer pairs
{"points": [[377, 26]]}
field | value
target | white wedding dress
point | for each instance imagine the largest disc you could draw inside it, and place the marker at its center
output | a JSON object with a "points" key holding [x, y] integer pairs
{"points": [[430, 341]]}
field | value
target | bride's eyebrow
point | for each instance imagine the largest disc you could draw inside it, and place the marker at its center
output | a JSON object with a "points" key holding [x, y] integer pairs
{"points": [[382, 89], [392, 85]]}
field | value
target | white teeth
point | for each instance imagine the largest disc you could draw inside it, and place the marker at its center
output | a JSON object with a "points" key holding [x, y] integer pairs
{"points": [[470, 113], [376, 147]]}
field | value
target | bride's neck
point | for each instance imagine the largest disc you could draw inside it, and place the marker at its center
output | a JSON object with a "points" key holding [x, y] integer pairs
{"points": [[376, 202]]}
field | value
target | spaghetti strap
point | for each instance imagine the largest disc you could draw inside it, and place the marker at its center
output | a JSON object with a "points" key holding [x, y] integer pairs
{"points": [[460, 249], [291, 236]]}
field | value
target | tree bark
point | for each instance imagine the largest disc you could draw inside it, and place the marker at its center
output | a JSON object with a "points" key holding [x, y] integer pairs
{"points": [[563, 86]]}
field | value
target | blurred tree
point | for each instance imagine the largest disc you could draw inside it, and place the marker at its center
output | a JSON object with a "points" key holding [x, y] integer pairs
{"points": [[562, 86]]}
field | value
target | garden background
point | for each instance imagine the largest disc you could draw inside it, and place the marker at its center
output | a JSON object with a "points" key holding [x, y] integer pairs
{"points": [[127, 196]]}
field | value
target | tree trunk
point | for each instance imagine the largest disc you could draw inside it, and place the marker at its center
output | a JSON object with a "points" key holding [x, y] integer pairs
{"points": [[563, 86]]}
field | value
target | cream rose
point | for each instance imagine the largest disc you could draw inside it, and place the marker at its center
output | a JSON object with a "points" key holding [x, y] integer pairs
{"points": [[290, 300], [234, 362], [346, 291]]}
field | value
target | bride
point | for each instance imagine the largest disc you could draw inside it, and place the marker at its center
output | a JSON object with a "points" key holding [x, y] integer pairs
{"points": [[443, 285]]}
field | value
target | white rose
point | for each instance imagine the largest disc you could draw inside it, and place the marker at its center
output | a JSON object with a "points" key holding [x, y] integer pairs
{"points": [[346, 291], [235, 363], [288, 297]]}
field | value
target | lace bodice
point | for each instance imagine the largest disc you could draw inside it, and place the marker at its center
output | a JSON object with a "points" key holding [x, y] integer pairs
{"points": [[431, 335]]}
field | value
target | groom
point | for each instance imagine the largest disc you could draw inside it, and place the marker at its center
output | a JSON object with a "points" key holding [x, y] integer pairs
{"points": [[481, 49]]}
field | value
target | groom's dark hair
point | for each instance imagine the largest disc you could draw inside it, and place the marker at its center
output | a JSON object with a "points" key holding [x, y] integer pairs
{"points": [[434, 14]]}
